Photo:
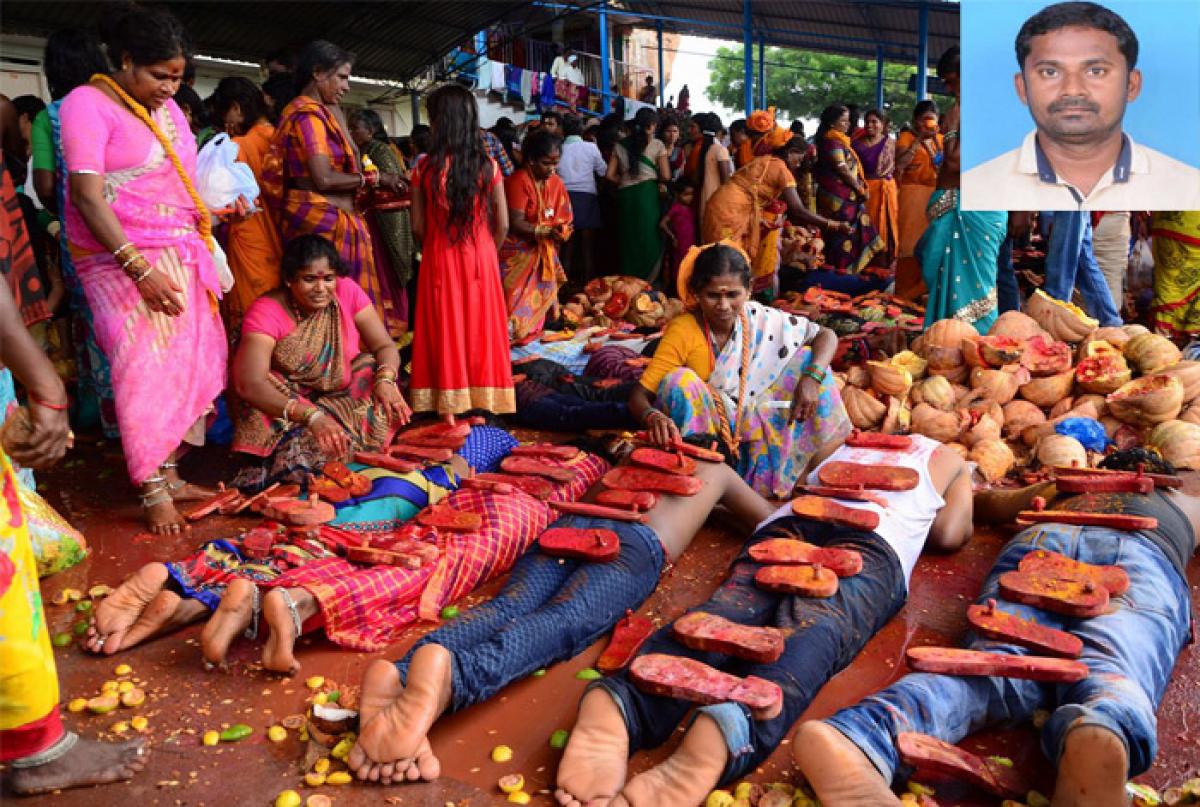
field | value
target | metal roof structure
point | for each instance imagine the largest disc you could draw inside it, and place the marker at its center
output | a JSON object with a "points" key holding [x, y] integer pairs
{"points": [[846, 27], [391, 40]]}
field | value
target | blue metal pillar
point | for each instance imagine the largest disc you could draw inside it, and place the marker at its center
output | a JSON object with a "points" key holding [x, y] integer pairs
{"points": [[762, 72], [605, 70], [879, 77], [481, 43], [748, 57], [662, 76], [923, 53]]}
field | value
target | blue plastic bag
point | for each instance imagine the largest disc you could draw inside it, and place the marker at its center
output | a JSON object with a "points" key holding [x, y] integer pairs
{"points": [[1087, 431]]}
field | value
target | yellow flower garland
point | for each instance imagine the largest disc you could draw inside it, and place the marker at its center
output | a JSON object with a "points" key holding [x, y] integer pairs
{"points": [[169, 149]]}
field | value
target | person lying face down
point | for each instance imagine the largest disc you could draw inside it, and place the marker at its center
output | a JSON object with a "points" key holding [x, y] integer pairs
{"points": [[821, 636], [1102, 730], [550, 609]]}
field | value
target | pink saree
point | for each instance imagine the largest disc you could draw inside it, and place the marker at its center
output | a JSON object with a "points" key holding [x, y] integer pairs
{"points": [[166, 371]]}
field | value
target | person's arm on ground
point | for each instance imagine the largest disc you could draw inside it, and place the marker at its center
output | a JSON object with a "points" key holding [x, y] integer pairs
{"points": [[953, 526], [49, 436], [1001, 505], [661, 430], [741, 500]]}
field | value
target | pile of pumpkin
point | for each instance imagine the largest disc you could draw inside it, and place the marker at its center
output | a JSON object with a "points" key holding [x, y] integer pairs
{"points": [[609, 301], [997, 399], [801, 247]]}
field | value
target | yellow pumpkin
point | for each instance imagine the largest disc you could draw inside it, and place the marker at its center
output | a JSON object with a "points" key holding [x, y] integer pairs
{"points": [[1147, 400], [1104, 371], [1064, 321], [1149, 353], [1178, 442], [1016, 325], [945, 427], [889, 379], [1061, 451], [994, 458], [935, 391], [914, 364], [858, 376], [865, 412], [1019, 415], [999, 386], [1188, 373], [1047, 391]]}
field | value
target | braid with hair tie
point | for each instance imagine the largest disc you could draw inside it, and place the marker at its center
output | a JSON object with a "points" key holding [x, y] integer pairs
{"points": [[169, 149], [729, 434]]}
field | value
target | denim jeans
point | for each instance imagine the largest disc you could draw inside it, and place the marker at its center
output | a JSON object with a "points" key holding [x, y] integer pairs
{"points": [[1071, 262], [550, 609], [822, 637], [1129, 651], [1008, 294]]}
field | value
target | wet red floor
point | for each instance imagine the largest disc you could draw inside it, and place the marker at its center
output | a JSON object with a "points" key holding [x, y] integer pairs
{"points": [[185, 700]]}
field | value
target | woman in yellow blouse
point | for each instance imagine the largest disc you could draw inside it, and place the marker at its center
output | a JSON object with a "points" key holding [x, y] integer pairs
{"points": [[754, 377]]}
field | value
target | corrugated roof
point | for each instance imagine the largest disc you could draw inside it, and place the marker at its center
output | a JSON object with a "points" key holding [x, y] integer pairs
{"points": [[392, 40], [848, 27]]}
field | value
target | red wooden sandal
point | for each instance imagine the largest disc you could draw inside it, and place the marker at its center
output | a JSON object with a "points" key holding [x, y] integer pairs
{"points": [[708, 632], [956, 661], [1045, 563], [1077, 598], [626, 478], [930, 755], [628, 637], [594, 546], [791, 552], [696, 682], [803, 581], [873, 477], [993, 623], [829, 511]]}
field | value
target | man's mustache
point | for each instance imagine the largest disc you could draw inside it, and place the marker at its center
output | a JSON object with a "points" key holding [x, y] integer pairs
{"points": [[1069, 104]]}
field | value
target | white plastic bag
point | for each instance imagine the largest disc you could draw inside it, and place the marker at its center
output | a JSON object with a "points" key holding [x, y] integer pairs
{"points": [[1141, 266], [220, 178]]}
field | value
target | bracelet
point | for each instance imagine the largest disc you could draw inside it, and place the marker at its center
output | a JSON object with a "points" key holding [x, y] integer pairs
{"points": [[63, 407], [145, 273], [651, 413], [117, 252], [287, 417], [814, 374], [385, 380], [312, 416]]}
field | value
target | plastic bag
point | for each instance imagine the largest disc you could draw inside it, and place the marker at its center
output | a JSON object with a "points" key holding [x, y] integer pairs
{"points": [[1088, 432], [220, 178], [56, 544], [1141, 266]]}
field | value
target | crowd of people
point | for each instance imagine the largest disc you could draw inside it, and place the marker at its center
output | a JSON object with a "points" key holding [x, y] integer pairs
{"points": [[374, 281]]}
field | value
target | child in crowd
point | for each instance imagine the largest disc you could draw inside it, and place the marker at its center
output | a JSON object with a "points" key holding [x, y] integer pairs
{"points": [[679, 228]]}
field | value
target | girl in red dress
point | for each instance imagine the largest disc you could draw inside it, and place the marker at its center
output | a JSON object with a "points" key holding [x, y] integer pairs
{"points": [[459, 215]]}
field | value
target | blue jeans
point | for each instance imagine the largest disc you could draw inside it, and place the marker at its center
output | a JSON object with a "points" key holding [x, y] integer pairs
{"points": [[1008, 294], [1070, 262], [1130, 653], [550, 609], [823, 636]]}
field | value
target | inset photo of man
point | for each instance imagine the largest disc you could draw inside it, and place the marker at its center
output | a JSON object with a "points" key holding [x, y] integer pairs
{"points": [[1101, 113]]}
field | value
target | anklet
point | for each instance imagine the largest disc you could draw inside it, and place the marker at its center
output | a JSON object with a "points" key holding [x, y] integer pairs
{"points": [[255, 610], [295, 612], [51, 754]]}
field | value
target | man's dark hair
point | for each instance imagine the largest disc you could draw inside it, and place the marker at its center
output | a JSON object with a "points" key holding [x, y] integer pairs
{"points": [[738, 125], [1078, 15], [539, 144], [28, 105], [554, 116], [572, 125], [948, 65]]}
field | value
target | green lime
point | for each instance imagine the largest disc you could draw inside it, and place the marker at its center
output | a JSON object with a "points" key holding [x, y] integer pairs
{"points": [[79, 628], [332, 697], [83, 606], [61, 639], [588, 674], [450, 612], [559, 739], [538, 673], [238, 731]]}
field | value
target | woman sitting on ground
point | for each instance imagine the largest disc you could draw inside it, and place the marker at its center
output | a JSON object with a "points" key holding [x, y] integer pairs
{"points": [[315, 370], [755, 376]]}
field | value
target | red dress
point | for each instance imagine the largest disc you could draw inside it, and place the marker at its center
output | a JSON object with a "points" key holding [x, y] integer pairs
{"points": [[460, 345]]}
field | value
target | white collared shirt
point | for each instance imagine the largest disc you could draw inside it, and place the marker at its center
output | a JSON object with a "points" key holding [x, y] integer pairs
{"points": [[1022, 179]]}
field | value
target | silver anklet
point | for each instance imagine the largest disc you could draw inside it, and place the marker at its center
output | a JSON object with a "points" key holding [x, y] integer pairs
{"points": [[55, 752], [255, 611], [295, 612]]}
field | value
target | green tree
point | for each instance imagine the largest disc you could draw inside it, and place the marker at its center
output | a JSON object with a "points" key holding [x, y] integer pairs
{"points": [[802, 83]]}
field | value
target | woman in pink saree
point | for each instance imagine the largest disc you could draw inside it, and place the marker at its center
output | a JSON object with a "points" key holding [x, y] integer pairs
{"points": [[141, 242]]}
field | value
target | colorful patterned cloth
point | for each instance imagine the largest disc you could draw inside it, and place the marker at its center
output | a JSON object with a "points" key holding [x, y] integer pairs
{"points": [[848, 253], [94, 385], [531, 267], [307, 129], [29, 716], [772, 454], [1176, 249], [166, 371], [958, 261]]}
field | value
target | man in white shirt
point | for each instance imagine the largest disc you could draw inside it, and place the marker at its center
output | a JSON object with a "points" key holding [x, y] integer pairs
{"points": [[1078, 73], [581, 162]]}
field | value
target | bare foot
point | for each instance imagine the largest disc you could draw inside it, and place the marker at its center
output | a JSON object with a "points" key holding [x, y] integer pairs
{"points": [[423, 767], [398, 732], [230, 619], [1091, 770], [163, 519], [88, 763], [119, 610], [279, 651], [188, 492], [837, 770], [592, 770], [687, 776]]}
